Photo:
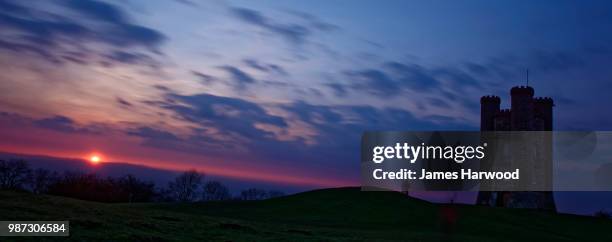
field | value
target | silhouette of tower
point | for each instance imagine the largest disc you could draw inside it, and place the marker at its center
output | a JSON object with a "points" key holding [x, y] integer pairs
{"points": [[526, 113]]}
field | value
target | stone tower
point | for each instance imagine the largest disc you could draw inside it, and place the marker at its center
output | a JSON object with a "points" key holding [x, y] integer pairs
{"points": [[526, 113]]}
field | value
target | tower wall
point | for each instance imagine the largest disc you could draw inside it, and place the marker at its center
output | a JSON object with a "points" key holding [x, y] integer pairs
{"points": [[522, 107], [502, 120], [489, 107], [543, 109]]}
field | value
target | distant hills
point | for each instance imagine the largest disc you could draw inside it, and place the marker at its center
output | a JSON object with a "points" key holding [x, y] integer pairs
{"points": [[103, 169], [115, 169]]}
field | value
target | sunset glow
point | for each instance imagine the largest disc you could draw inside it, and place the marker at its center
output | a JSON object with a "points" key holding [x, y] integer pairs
{"points": [[95, 159]]}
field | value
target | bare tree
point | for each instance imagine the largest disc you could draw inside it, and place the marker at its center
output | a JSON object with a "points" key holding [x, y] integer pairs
{"points": [[90, 186], [14, 174], [215, 191], [253, 194], [42, 180], [135, 190], [185, 187]]}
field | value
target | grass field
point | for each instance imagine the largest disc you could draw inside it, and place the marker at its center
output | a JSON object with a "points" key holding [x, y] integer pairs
{"points": [[343, 214]]}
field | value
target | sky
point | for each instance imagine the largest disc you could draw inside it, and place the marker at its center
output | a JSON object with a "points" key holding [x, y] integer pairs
{"points": [[281, 91]]}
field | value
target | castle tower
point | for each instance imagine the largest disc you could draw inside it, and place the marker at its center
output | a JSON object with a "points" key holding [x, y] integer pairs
{"points": [[489, 107], [544, 112], [522, 108], [526, 113]]}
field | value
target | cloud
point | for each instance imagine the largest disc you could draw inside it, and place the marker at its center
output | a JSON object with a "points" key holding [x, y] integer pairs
{"points": [[339, 128], [539, 61], [42, 31], [264, 67], [123, 102], [27, 48], [438, 102], [314, 21], [14, 118], [413, 76], [58, 123], [64, 124], [393, 77], [239, 129], [119, 31], [338, 121], [204, 78], [13, 8], [194, 142], [134, 35], [313, 114], [99, 10], [338, 89], [151, 133], [293, 33], [548, 61], [425, 89], [229, 116], [458, 78], [132, 58], [477, 68], [239, 78], [188, 3], [301, 31], [373, 81]]}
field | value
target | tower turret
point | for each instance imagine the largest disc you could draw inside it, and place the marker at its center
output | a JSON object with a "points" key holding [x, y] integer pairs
{"points": [[522, 108], [543, 110], [489, 107]]}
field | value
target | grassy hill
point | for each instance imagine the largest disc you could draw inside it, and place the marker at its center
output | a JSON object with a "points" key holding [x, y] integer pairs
{"points": [[343, 214]]}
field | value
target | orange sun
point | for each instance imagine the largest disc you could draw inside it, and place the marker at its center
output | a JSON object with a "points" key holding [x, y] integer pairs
{"points": [[95, 159]]}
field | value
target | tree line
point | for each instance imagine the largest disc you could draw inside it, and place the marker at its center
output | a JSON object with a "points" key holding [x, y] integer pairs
{"points": [[188, 186]]}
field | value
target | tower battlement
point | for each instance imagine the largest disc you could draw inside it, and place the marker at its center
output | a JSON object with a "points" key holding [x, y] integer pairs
{"points": [[490, 99], [504, 112], [526, 113], [544, 100], [522, 90]]}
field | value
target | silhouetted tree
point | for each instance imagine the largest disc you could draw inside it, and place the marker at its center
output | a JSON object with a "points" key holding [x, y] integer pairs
{"points": [[93, 188], [77, 185], [253, 194], [42, 179], [163, 194], [14, 174], [275, 193], [185, 187], [85, 186], [135, 190], [215, 191], [603, 214]]}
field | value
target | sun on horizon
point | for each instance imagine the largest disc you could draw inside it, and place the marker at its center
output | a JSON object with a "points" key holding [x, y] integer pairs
{"points": [[95, 159]]}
